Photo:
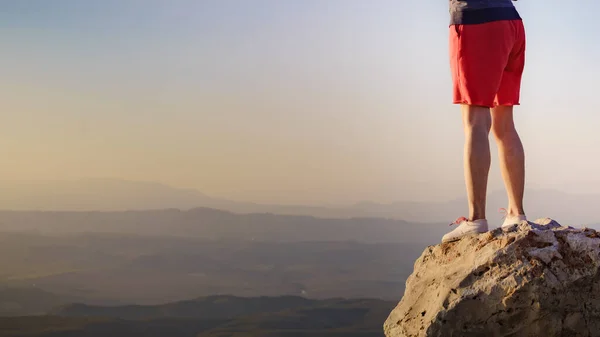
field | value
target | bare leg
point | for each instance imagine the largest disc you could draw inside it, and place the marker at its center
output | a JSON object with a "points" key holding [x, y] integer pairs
{"points": [[477, 123], [512, 157]]}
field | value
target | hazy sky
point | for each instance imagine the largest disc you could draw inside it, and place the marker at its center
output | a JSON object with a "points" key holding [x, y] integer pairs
{"points": [[279, 100]]}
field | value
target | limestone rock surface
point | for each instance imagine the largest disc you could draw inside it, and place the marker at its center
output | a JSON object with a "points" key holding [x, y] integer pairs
{"points": [[537, 279]]}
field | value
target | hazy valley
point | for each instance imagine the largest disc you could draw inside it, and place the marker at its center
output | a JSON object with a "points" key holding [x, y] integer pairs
{"points": [[242, 270], [49, 261]]}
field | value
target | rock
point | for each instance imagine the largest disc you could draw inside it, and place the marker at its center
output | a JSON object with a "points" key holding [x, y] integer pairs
{"points": [[536, 279]]}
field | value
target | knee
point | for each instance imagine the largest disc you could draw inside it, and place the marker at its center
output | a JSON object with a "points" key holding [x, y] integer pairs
{"points": [[503, 131], [498, 131], [503, 125], [477, 120]]}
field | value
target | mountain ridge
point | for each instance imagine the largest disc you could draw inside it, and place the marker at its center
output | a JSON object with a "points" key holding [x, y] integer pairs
{"points": [[217, 316], [123, 195]]}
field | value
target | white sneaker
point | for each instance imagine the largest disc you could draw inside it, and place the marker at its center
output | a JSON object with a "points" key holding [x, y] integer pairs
{"points": [[465, 227], [510, 221]]}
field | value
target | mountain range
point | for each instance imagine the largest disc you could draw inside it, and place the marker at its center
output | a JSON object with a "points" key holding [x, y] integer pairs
{"points": [[121, 195], [214, 316]]}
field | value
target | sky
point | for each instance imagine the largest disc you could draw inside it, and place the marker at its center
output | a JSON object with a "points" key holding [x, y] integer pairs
{"points": [[295, 101]]}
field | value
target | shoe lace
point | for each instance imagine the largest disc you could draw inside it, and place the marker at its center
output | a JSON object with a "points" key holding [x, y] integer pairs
{"points": [[458, 221], [504, 213]]}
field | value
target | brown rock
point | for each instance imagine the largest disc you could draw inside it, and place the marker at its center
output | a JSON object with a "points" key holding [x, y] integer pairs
{"points": [[539, 279]]}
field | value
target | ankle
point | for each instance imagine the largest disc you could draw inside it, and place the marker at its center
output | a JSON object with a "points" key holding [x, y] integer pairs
{"points": [[515, 212]]}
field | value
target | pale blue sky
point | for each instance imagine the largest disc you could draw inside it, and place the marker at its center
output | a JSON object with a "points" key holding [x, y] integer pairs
{"points": [[279, 100]]}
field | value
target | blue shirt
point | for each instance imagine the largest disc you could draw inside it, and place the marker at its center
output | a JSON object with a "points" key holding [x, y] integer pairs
{"points": [[469, 12]]}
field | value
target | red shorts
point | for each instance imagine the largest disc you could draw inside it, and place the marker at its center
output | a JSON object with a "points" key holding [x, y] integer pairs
{"points": [[487, 62]]}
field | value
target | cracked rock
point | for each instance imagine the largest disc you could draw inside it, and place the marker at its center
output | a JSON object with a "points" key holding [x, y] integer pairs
{"points": [[536, 279]]}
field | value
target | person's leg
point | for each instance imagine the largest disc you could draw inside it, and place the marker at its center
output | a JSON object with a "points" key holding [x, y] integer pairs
{"points": [[477, 123], [510, 148], [512, 158], [478, 57]]}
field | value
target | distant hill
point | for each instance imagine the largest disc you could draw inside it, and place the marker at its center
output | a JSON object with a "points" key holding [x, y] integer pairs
{"points": [[222, 316], [219, 225], [29, 301], [113, 269], [210, 307], [121, 195], [98, 195]]}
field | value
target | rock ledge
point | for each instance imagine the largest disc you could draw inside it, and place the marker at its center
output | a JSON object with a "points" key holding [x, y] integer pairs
{"points": [[537, 279]]}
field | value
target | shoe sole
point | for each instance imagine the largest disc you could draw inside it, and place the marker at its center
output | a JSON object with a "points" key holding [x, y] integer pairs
{"points": [[510, 227], [462, 237]]}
